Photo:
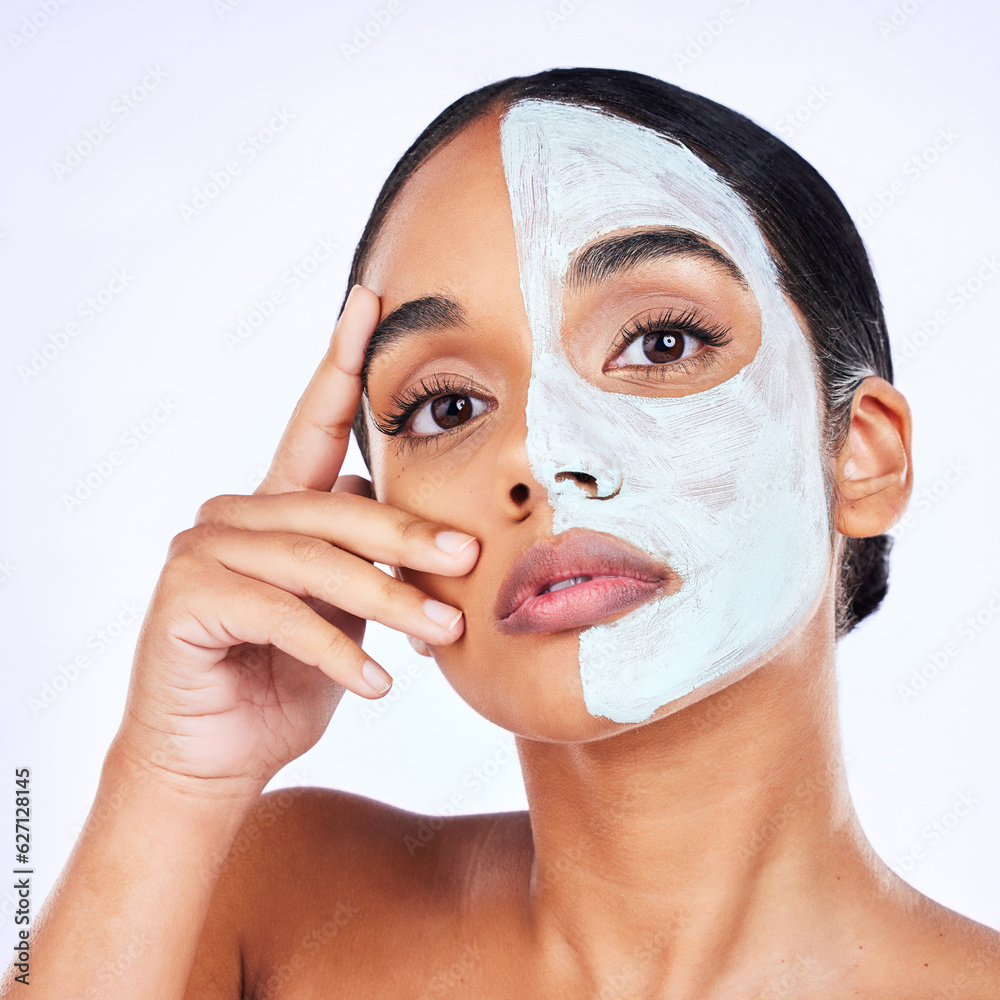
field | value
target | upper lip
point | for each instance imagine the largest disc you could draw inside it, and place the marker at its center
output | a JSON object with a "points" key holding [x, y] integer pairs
{"points": [[576, 553]]}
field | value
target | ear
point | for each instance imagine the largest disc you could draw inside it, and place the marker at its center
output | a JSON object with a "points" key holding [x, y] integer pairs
{"points": [[873, 470]]}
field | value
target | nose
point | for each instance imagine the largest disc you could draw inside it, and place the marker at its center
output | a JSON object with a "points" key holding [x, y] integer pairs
{"points": [[576, 450], [515, 489], [603, 489]]}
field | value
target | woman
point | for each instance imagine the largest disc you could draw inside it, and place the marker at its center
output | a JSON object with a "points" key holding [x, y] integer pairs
{"points": [[618, 366]]}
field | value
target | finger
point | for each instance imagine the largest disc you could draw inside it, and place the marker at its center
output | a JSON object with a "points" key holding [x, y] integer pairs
{"points": [[315, 441], [368, 528], [229, 609], [357, 485], [310, 567]]}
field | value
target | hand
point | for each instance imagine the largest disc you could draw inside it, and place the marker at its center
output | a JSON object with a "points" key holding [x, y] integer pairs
{"points": [[254, 628]]}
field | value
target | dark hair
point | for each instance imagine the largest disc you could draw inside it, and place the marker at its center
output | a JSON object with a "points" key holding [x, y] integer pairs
{"points": [[821, 261]]}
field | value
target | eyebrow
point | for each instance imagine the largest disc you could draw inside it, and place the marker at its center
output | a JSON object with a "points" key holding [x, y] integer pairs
{"points": [[432, 312], [611, 256], [595, 263]]}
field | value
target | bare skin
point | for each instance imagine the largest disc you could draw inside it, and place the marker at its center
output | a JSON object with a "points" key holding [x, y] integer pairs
{"points": [[710, 852]]}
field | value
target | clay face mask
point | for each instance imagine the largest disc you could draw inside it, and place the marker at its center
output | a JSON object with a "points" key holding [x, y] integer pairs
{"points": [[725, 485]]}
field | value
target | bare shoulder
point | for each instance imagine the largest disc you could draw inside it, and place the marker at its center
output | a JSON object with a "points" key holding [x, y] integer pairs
{"points": [[925, 949], [962, 956], [312, 837], [320, 881]]}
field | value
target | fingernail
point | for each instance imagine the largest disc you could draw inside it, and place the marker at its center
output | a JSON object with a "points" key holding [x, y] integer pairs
{"points": [[347, 301], [452, 542], [376, 678], [441, 614]]}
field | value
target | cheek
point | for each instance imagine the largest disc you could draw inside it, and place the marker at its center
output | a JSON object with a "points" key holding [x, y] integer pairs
{"points": [[445, 489], [438, 478], [411, 479], [459, 592]]}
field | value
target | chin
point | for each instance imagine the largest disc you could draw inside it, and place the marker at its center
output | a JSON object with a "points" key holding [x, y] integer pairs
{"points": [[527, 685], [535, 691]]}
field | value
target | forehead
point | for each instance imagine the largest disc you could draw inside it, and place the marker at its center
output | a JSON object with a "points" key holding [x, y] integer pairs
{"points": [[450, 228], [597, 172], [561, 172]]}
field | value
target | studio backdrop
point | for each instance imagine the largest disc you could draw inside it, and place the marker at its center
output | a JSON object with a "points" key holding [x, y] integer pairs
{"points": [[183, 186]]}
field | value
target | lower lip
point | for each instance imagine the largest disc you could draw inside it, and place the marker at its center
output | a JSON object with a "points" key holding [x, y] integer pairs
{"points": [[580, 605]]}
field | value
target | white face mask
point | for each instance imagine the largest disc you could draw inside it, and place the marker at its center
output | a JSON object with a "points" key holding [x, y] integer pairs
{"points": [[725, 485]]}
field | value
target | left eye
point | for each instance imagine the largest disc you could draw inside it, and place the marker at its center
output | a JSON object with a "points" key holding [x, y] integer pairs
{"points": [[445, 412], [657, 348]]}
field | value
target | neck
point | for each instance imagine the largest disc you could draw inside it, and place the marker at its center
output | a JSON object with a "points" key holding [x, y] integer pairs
{"points": [[694, 836]]}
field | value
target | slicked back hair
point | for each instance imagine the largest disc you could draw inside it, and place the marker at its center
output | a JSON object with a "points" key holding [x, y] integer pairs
{"points": [[821, 261]]}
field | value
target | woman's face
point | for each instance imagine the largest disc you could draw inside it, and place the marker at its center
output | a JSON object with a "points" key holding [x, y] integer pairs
{"points": [[585, 361]]}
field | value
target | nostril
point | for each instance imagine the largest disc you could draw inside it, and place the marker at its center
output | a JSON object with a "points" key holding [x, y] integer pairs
{"points": [[583, 479], [519, 493], [604, 490]]}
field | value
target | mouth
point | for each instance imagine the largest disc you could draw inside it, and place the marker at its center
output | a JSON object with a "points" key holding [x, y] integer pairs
{"points": [[579, 579]]}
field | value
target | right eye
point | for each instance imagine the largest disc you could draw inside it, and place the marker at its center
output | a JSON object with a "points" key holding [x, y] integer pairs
{"points": [[445, 412]]}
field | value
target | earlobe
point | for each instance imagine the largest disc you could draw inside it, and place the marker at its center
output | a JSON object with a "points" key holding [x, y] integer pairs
{"points": [[874, 471]]}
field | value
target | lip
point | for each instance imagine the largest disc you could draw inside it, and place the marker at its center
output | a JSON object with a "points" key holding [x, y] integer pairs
{"points": [[621, 577]]}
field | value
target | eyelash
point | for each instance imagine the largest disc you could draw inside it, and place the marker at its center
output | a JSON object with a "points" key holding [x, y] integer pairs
{"points": [[408, 402], [687, 323]]}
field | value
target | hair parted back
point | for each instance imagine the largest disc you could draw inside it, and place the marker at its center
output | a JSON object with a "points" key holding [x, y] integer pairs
{"points": [[821, 261]]}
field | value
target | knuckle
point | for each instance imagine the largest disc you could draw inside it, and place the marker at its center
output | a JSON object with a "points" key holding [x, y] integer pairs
{"points": [[185, 541], [335, 503], [412, 529], [388, 588], [181, 570], [287, 611], [197, 539], [337, 645], [225, 509], [309, 550]]}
